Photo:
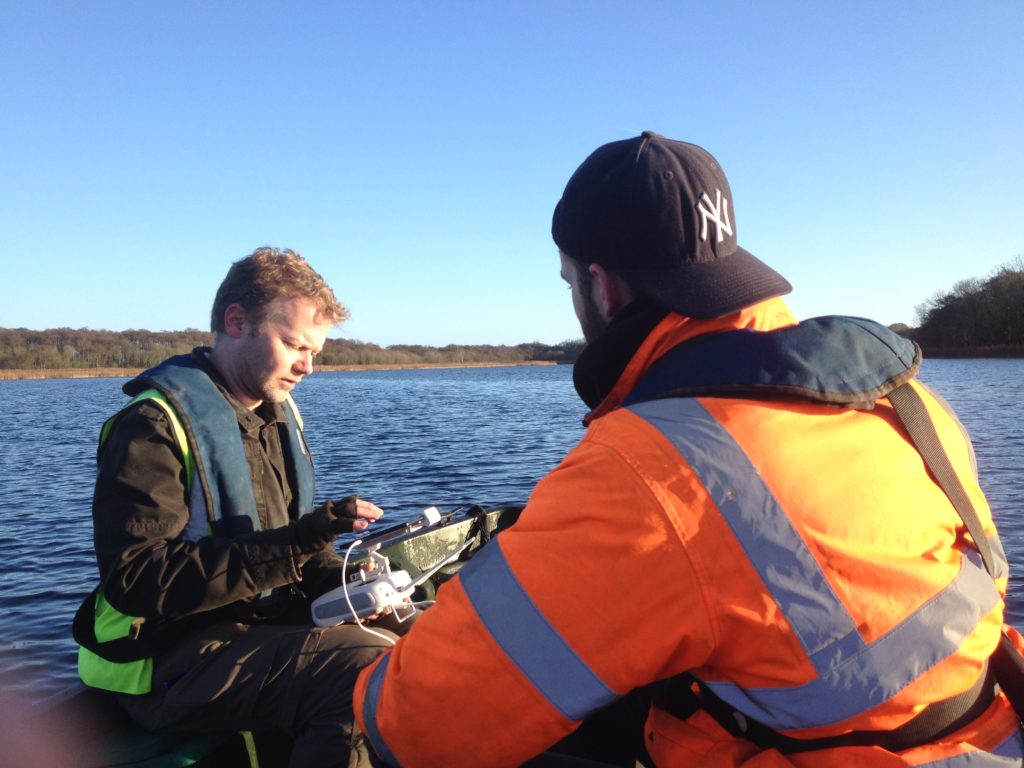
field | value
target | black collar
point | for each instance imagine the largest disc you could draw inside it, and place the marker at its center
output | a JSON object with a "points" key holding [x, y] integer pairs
{"points": [[603, 360]]}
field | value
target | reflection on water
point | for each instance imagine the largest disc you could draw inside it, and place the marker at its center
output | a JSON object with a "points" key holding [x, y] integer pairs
{"points": [[405, 439]]}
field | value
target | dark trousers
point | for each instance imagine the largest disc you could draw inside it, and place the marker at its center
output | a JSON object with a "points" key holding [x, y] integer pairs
{"points": [[237, 677]]}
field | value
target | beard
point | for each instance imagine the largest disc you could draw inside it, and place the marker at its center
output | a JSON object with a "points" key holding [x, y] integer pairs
{"points": [[259, 374], [592, 323]]}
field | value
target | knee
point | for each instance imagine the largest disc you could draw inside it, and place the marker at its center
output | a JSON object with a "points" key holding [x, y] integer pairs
{"points": [[365, 654], [353, 647], [329, 668]]}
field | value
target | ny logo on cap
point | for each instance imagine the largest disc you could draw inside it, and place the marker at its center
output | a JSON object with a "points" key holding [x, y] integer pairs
{"points": [[718, 212]]}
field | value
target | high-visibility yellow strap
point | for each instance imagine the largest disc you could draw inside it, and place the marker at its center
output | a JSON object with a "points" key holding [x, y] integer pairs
{"points": [[250, 749], [133, 677], [176, 426]]}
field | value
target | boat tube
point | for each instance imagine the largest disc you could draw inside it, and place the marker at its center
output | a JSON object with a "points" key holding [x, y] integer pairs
{"points": [[96, 733]]}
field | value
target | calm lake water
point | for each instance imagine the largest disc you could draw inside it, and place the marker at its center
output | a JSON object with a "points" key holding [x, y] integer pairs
{"points": [[404, 439]]}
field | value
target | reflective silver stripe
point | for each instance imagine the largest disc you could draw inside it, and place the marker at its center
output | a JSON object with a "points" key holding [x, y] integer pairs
{"points": [[370, 703], [853, 676], [528, 639], [883, 668], [779, 554]]}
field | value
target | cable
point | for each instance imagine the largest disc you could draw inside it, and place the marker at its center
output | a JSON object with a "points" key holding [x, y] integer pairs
{"points": [[348, 600]]}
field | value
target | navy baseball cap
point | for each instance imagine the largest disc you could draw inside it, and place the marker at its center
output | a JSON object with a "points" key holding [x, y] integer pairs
{"points": [[659, 213]]}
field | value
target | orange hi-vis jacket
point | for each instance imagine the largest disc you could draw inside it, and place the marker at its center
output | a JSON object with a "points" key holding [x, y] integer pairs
{"points": [[793, 556]]}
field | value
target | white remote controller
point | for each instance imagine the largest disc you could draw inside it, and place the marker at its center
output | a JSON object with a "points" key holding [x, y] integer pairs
{"points": [[367, 599], [372, 590]]}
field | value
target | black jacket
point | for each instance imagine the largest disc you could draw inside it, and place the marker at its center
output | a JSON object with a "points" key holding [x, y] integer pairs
{"points": [[140, 511]]}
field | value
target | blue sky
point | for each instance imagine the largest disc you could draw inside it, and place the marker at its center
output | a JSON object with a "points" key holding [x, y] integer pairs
{"points": [[413, 151]]}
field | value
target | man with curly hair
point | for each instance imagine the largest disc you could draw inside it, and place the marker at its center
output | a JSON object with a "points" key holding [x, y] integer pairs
{"points": [[208, 541]]}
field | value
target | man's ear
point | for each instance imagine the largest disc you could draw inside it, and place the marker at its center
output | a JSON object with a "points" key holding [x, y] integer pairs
{"points": [[610, 291], [235, 319]]}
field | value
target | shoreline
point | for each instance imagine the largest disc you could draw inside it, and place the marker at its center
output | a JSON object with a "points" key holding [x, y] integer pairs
{"points": [[21, 374], [974, 353], [1009, 351]]}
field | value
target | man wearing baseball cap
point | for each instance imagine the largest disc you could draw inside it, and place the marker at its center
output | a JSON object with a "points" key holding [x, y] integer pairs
{"points": [[748, 532]]}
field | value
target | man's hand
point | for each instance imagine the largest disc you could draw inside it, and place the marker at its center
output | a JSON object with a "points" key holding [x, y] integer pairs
{"points": [[319, 528], [356, 512]]}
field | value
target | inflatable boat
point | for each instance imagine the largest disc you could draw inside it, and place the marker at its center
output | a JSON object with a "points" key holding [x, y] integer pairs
{"points": [[95, 733]]}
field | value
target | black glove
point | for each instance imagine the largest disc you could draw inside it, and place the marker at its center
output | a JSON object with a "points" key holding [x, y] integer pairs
{"points": [[318, 529]]}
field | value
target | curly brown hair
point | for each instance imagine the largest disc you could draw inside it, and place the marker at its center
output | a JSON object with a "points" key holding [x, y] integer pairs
{"points": [[269, 274]]}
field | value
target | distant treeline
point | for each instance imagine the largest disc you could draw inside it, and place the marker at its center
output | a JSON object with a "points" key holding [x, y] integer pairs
{"points": [[62, 348], [976, 314]]}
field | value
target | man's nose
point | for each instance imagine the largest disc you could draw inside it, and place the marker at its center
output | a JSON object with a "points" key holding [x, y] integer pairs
{"points": [[305, 363]]}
